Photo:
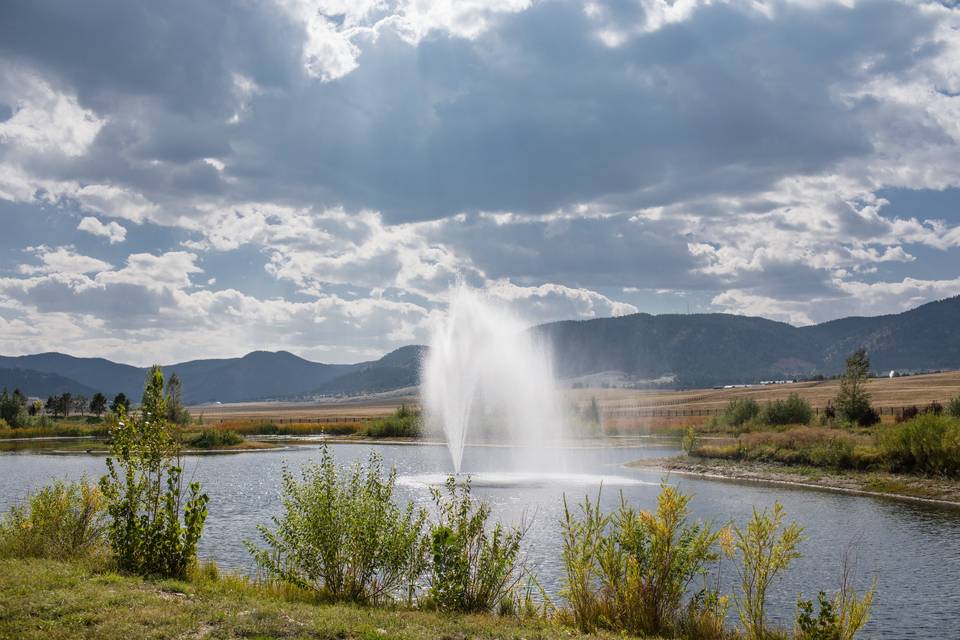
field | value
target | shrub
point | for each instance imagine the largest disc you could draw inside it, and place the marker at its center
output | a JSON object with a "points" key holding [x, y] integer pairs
{"points": [[738, 412], [215, 438], [343, 538], [793, 410], [934, 407], [868, 417], [953, 407], [143, 489], [929, 443], [62, 520], [631, 570], [766, 549], [473, 569], [908, 413]]}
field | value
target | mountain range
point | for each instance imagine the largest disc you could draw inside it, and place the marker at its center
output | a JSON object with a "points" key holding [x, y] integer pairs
{"points": [[690, 350]]}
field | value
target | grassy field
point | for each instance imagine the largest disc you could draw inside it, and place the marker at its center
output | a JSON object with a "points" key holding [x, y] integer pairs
{"points": [[51, 600]]}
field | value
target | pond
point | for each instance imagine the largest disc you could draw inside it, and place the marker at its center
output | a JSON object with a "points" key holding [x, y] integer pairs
{"points": [[912, 549]]}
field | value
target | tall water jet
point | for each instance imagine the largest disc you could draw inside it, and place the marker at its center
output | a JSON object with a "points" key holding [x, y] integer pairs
{"points": [[486, 377]]}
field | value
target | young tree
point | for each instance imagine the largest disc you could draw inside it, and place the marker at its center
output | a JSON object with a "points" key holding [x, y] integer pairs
{"points": [[154, 528], [35, 408], [120, 401], [176, 412], [98, 404], [66, 404], [80, 404], [853, 401], [52, 406], [13, 408]]}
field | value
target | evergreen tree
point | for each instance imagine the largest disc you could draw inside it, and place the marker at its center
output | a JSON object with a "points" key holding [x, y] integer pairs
{"points": [[98, 404], [853, 401], [120, 401]]}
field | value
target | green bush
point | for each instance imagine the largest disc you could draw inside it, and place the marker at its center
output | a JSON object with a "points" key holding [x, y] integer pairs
{"points": [[62, 520], [928, 444], [738, 412], [143, 489], [631, 570], [473, 569], [216, 438], [793, 410], [953, 407], [341, 536]]}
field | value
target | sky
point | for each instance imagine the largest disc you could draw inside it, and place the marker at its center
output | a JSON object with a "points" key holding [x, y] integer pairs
{"points": [[187, 179]]}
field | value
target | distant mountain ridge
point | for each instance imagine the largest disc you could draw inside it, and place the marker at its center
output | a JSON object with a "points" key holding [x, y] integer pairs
{"points": [[259, 375], [707, 349], [691, 350]]}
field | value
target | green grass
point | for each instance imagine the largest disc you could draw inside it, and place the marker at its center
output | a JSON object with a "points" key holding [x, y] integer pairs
{"points": [[46, 599]]}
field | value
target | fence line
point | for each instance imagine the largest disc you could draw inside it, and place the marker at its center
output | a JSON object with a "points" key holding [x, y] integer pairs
{"points": [[313, 420], [656, 412]]}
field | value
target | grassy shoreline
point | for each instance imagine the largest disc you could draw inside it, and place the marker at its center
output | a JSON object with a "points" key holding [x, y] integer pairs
{"points": [[942, 491], [60, 600]]}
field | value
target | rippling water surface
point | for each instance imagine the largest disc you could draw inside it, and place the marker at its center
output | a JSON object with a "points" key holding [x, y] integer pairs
{"points": [[912, 549]]}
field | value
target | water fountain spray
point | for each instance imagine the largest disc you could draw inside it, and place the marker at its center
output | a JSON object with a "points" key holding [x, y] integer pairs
{"points": [[488, 379]]}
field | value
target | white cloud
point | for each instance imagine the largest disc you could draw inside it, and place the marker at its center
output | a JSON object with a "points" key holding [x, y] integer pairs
{"points": [[44, 120], [112, 231], [62, 260]]}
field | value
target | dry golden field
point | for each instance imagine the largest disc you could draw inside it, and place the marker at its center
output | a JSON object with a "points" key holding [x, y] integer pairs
{"points": [[886, 392], [623, 408], [332, 412]]}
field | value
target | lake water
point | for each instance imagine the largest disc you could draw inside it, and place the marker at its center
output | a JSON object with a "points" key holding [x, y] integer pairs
{"points": [[912, 549]]}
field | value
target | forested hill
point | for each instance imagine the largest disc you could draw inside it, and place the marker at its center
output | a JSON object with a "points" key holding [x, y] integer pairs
{"points": [[708, 349], [256, 376]]}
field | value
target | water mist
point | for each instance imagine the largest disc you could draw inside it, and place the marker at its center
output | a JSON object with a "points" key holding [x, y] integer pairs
{"points": [[487, 379]]}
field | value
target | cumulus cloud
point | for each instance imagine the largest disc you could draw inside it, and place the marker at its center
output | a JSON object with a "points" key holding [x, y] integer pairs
{"points": [[112, 231], [315, 174]]}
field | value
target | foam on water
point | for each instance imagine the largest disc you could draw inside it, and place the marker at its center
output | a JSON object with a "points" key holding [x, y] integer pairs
{"points": [[521, 479]]}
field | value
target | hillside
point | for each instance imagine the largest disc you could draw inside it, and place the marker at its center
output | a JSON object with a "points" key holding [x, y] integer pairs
{"points": [[40, 384], [255, 376], [706, 349], [695, 350]]}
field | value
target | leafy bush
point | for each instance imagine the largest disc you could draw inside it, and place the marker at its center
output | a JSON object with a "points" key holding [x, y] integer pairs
{"points": [[929, 444], [216, 438], [631, 570], [144, 492], [473, 569], [766, 549], [62, 520], [953, 407], [344, 538], [793, 410], [738, 412]]}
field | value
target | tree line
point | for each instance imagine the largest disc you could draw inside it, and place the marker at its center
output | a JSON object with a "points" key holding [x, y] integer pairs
{"points": [[16, 410]]}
